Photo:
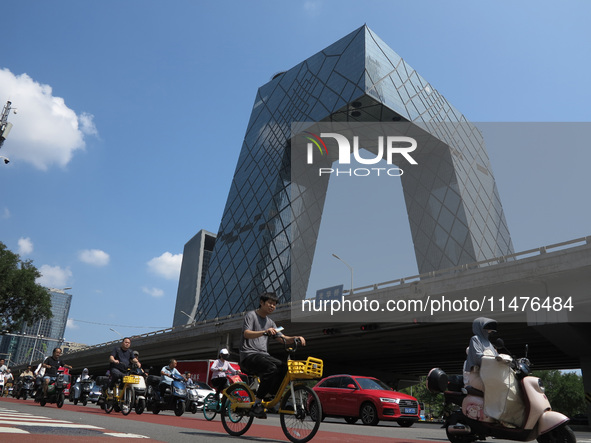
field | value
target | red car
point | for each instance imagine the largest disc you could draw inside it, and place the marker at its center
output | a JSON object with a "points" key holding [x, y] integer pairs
{"points": [[369, 399]]}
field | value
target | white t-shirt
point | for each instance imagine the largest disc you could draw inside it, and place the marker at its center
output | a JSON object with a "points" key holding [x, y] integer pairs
{"points": [[220, 368]]}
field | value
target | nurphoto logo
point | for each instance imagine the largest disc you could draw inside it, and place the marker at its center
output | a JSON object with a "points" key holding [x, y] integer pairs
{"points": [[387, 147]]}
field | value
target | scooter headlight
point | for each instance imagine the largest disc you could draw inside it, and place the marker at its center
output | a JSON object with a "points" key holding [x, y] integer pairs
{"points": [[180, 392], [541, 385]]}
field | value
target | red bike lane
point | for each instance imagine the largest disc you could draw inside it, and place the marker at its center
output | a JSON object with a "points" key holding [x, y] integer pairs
{"points": [[259, 429]]}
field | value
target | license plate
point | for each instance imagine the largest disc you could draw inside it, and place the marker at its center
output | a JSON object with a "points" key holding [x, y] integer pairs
{"points": [[410, 411]]}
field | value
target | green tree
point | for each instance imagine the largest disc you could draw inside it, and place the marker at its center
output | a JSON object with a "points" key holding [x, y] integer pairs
{"points": [[434, 403], [21, 299], [564, 390]]}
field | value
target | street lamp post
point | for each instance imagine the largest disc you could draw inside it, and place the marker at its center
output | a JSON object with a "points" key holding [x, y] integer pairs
{"points": [[190, 318], [42, 354], [116, 332], [350, 269], [36, 338]]}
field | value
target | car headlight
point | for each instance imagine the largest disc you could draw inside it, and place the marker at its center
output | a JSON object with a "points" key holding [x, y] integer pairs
{"points": [[389, 400]]}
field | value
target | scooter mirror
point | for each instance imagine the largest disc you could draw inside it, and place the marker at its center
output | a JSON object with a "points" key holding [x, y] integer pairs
{"points": [[499, 343]]}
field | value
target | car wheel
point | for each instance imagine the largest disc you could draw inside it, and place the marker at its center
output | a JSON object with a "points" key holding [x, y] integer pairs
{"points": [[351, 420], [369, 414], [405, 423]]}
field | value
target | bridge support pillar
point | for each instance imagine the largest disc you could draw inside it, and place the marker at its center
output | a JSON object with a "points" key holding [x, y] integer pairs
{"points": [[586, 370]]}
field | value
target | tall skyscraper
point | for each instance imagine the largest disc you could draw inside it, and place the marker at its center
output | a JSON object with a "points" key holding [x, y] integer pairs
{"points": [[42, 336], [196, 258], [454, 209]]}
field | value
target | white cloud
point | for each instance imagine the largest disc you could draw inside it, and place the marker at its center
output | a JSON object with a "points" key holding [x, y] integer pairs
{"points": [[167, 265], [94, 257], [5, 214], [46, 132], [25, 246], [54, 276], [71, 325], [154, 292]]}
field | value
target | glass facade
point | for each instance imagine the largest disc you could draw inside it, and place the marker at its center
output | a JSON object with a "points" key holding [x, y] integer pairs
{"points": [[49, 333], [452, 201], [196, 258]]}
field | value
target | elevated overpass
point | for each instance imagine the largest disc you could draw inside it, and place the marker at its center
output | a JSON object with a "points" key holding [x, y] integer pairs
{"points": [[401, 348]]}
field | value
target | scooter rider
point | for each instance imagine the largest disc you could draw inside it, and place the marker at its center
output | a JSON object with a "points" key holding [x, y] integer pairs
{"points": [[27, 372], [51, 365], [121, 359], [480, 345], [166, 375], [136, 368], [83, 376], [220, 368], [188, 377]]}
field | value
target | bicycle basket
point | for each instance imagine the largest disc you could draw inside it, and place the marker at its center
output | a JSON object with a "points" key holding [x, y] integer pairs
{"points": [[310, 368], [131, 379]]}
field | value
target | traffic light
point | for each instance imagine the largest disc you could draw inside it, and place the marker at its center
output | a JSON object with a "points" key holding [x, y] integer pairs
{"points": [[370, 327], [330, 331]]}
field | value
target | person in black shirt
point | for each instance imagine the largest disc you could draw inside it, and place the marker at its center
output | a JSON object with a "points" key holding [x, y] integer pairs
{"points": [[121, 359], [51, 365]]}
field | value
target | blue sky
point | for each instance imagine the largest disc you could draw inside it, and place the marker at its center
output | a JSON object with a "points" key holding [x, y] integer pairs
{"points": [[131, 116]]}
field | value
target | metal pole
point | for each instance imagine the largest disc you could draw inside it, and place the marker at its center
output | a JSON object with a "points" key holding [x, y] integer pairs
{"points": [[350, 268], [35, 345], [191, 319]]}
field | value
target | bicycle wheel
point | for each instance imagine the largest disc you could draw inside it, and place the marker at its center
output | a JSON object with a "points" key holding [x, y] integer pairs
{"points": [[210, 406], [302, 421], [108, 404], [237, 421], [128, 400]]}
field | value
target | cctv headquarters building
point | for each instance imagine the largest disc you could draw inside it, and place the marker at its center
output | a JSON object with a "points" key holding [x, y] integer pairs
{"points": [[452, 202]]}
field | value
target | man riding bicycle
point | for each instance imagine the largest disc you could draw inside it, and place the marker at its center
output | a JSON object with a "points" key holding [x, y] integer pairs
{"points": [[254, 357]]}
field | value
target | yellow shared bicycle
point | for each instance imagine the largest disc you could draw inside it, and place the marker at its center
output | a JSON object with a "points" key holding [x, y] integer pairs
{"points": [[300, 411]]}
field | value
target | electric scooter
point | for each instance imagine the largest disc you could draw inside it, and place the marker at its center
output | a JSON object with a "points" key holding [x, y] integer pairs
{"points": [[513, 405]]}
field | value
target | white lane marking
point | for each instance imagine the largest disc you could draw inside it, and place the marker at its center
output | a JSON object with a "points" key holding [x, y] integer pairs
{"points": [[123, 435], [27, 419], [12, 417], [46, 423], [4, 430]]}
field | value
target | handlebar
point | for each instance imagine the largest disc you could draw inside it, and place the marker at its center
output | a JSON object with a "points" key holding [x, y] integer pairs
{"points": [[290, 349]]}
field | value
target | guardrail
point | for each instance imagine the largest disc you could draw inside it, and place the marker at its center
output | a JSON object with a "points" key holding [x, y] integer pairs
{"points": [[400, 281], [479, 264]]}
